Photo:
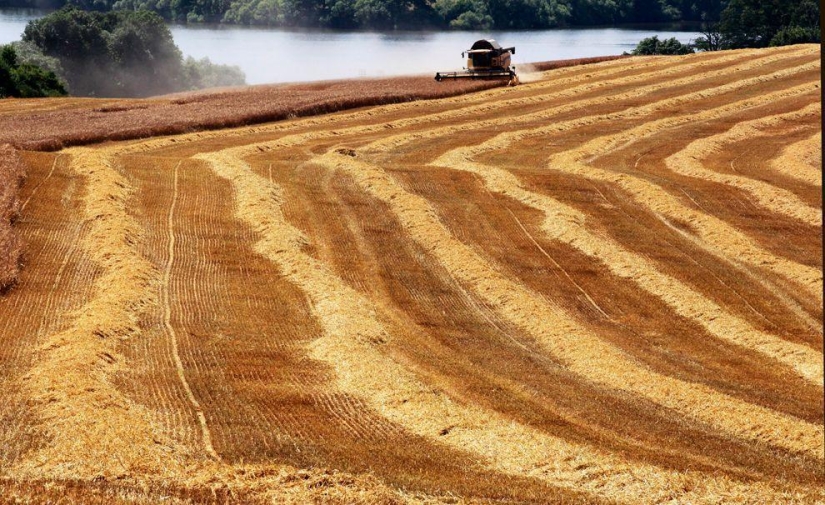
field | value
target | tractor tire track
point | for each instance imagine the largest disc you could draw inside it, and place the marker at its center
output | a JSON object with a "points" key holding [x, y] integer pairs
{"points": [[83, 413], [206, 435], [352, 342]]}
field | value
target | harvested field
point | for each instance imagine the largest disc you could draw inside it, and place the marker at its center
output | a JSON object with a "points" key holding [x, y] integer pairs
{"points": [[52, 124], [12, 174], [602, 286]]}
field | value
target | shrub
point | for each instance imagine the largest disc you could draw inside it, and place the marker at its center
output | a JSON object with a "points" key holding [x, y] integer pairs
{"points": [[122, 53], [24, 80], [205, 74], [652, 45], [31, 54], [795, 35]]}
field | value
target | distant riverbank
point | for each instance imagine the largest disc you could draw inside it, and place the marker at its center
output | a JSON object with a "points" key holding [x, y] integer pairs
{"points": [[278, 55]]}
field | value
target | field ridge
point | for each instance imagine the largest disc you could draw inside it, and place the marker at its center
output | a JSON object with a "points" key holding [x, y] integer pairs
{"points": [[603, 285]]}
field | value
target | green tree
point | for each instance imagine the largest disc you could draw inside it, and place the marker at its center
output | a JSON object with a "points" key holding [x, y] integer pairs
{"points": [[143, 58], [464, 14], [600, 12], [652, 45], [387, 14], [651, 11], [474, 19], [254, 12], [795, 35], [528, 14], [205, 74], [340, 14], [301, 12], [707, 11], [118, 53], [31, 54], [161, 7], [711, 39], [78, 39], [25, 80], [755, 23]]}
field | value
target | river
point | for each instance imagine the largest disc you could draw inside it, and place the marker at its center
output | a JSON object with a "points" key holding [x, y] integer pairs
{"points": [[270, 55]]}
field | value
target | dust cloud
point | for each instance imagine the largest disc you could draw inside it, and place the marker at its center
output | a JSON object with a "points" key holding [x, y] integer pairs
{"points": [[527, 73]]}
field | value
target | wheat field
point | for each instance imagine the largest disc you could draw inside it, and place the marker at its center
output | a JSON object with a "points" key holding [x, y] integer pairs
{"points": [[601, 286]]}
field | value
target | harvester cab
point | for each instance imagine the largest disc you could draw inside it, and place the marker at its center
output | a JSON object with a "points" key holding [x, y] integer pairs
{"points": [[485, 60]]}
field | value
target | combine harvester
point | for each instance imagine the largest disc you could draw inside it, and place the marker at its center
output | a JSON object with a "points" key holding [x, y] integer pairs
{"points": [[485, 60]]}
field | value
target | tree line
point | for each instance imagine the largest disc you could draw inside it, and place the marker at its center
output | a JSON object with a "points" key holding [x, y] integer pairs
{"points": [[104, 54], [407, 14], [748, 23], [124, 48]]}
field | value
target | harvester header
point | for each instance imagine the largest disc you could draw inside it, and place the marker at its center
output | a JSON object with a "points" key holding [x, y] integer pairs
{"points": [[486, 59]]}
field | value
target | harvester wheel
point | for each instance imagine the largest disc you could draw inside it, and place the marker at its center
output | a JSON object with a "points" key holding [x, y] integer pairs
{"points": [[513, 81]]}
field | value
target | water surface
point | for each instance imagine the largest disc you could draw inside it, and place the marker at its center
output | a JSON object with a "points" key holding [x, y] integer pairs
{"points": [[276, 55]]}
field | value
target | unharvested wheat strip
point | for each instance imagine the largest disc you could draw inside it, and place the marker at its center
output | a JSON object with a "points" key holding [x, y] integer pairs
{"points": [[798, 161], [303, 138], [351, 343], [328, 119], [393, 141], [581, 351], [93, 428], [715, 233], [688, 162], [482, 97], [566, 224], [483, 104]]}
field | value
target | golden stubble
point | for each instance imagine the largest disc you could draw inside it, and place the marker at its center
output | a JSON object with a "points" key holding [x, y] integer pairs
{"points": [[353, 344], [689, 162], [92, 429]]}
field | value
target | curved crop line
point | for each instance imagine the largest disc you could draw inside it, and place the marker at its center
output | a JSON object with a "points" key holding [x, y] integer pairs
{"points": [[688, 162], [568, 225], [580, 351], [302, 138], [694, 69], [353, 336], [561, 221], [799, 160], [375, 113], [717, 236], [93, 429]]}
